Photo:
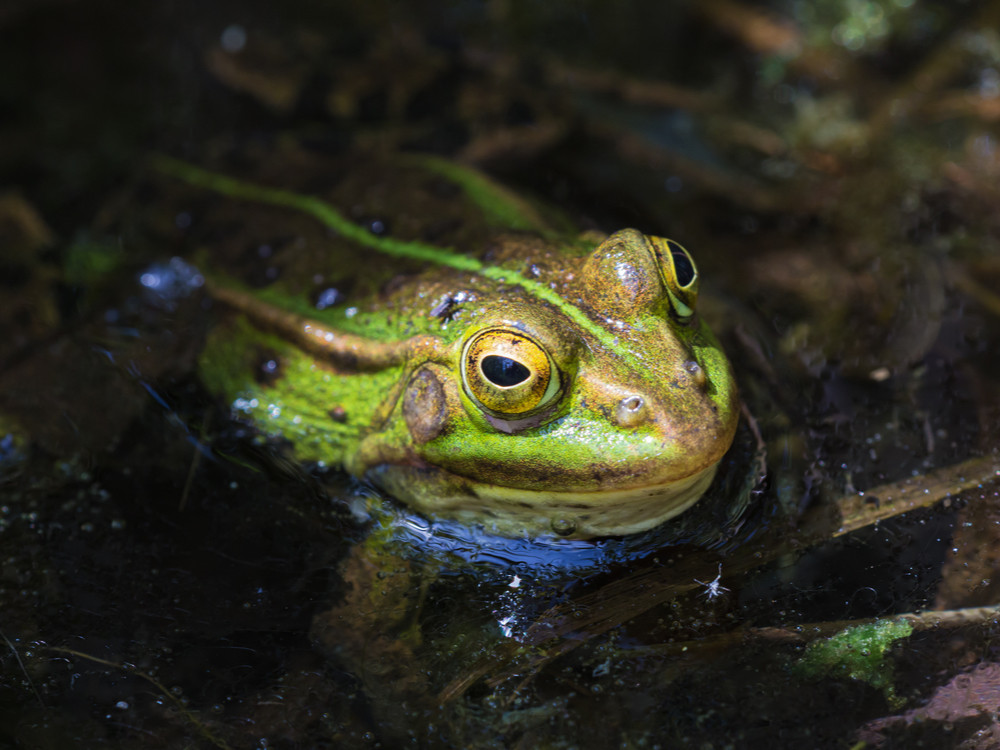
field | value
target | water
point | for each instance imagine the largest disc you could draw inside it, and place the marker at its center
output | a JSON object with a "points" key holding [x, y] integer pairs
{"points": [[158, 593]]}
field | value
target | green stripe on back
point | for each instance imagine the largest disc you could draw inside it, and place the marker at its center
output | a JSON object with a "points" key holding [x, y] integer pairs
{"points": [[502, 206], [333, 219]]}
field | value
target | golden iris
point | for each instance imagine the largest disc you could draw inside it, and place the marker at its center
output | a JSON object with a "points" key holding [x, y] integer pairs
{"points": [[507, 373]]}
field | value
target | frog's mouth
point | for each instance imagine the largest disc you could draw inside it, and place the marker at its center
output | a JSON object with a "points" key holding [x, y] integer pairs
{"points": [[577, 515]]}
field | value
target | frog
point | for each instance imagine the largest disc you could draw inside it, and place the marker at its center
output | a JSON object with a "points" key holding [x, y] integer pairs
{"points": [[499, 376], [514, 377]]}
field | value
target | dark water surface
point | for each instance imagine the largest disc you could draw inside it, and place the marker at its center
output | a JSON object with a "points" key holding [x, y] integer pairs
{"points": [[167, 579]]}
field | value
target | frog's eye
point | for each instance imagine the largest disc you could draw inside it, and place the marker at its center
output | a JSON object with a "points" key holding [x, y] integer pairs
{"points": [[679, 273], [507, 374]]}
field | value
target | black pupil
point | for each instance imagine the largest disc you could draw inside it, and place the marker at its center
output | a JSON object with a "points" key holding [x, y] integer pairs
{"points": [[683, 267], [504, 371]]}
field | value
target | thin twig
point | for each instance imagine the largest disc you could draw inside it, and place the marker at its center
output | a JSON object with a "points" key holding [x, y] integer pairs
{"points": [[20, 663], [184, 710]]}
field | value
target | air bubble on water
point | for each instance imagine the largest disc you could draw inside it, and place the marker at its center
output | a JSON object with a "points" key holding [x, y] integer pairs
{"points": [[166, 282], [233, 38], [327, 298], [563, 526]]}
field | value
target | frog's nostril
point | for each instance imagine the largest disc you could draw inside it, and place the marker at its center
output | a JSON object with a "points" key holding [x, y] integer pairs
{"points": [[697, 374], [631, 411]]}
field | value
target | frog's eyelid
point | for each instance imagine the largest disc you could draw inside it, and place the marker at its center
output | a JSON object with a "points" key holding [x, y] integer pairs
{"points": [[682, 310], [555, 385]]}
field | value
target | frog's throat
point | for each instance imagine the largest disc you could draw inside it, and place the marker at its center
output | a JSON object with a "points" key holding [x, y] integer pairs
{"points": [[574, 515]]}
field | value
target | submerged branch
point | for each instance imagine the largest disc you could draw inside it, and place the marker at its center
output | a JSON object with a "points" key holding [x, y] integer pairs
{"points": [[890, 500]]}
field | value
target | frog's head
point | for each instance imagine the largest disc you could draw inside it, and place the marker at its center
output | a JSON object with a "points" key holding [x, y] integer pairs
{"points": [[601, 409]]}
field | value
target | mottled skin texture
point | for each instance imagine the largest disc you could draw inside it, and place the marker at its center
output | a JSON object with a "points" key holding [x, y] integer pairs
{"points": [[630, 434]]}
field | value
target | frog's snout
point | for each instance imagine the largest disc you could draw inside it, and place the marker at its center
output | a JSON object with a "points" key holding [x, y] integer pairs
{"points": [[633, 409]]}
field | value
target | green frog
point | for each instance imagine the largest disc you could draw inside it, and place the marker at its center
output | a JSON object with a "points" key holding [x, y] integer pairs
{"points": [[462, 350]]}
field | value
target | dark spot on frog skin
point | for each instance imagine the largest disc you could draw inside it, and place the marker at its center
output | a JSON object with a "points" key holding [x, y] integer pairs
{"points": [[268, 368], [262, 261], [444, 308], [425, 406], [448, 307]]}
